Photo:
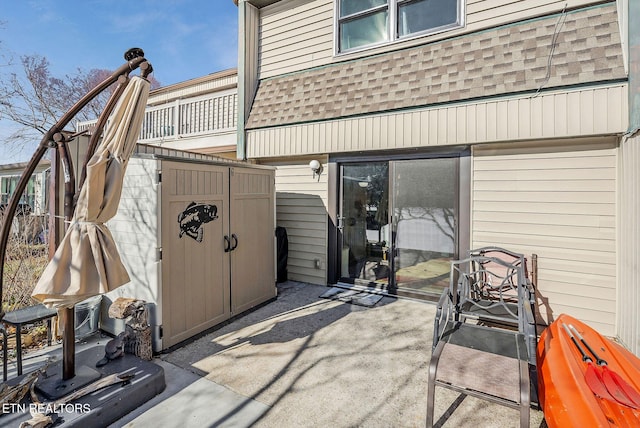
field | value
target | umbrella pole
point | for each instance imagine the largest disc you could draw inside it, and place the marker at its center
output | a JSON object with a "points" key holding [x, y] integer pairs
{"points": [[68, 337], [69, 345]]}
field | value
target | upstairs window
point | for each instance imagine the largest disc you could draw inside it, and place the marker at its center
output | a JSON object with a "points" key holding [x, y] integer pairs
{"points": [[367, 23]]}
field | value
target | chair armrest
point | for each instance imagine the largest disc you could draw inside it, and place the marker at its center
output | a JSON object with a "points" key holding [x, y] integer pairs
{"points": [[445, 303], [445, 298]]}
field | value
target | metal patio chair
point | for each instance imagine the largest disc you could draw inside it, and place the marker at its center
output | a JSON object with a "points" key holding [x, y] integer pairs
{"points": [[492, 287], [484, 362]]}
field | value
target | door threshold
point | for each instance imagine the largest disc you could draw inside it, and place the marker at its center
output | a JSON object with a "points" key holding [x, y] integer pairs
{"points": [[384, 290], [373, 289]]}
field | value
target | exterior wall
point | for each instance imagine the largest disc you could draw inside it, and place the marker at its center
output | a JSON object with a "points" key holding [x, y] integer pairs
{"points": [[301, 208], [295, 35], [558, 114], [629, 248], [532, 57], [559, 202], [298, 34], [544, 148]]}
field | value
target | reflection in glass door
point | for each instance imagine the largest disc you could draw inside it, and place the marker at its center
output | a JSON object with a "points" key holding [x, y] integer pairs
{"points": [[397, 224], [424, 217], [363, 221]]}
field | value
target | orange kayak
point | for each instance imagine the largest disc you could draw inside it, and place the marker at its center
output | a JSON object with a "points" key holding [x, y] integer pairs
{"points": [[576, 393]]}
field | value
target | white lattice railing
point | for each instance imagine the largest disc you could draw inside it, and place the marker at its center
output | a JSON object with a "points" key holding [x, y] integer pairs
{"points": [[186, 117]]}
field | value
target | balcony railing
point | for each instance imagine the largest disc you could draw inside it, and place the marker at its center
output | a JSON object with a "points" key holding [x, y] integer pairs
{"points": [[186, 117]]}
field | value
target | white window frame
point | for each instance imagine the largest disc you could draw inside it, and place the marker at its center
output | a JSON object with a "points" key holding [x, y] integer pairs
{"points": [[392, 28]]}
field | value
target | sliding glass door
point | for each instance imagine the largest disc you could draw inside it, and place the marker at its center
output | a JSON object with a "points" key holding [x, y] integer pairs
{"points": [[424, 203], [364, 222], [397, 224]]}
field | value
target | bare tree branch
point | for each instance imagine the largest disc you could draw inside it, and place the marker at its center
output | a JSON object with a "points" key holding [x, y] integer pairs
{"points": [[34, 99]]}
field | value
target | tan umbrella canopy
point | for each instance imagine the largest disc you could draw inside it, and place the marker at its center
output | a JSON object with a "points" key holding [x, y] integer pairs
{"points": [[87, 263]]}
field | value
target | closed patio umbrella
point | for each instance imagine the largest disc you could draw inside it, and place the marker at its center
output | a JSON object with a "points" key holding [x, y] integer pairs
{"points": [[87, 263]]}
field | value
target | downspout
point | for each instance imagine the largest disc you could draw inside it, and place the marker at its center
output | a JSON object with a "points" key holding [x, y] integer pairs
{"points": [[241, 149], [633, 17], [247, 70], [633, 23], [627, 295]]}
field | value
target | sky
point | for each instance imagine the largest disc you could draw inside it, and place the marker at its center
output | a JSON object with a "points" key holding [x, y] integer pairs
{"points": [[183, 39]]}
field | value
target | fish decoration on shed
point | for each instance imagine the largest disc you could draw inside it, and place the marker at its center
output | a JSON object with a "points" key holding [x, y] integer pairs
{"points": [[193, 217]]}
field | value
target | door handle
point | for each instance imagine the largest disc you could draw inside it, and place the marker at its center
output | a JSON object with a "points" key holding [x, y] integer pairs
{"points": [[235, 244], [227, 244]]}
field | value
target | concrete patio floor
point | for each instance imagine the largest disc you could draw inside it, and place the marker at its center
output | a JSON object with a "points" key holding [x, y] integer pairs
{"points": [[305, 361], [313, 362]]}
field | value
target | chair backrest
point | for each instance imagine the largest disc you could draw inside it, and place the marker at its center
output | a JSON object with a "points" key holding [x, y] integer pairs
{"points": [[489, 284], [506, 255]]}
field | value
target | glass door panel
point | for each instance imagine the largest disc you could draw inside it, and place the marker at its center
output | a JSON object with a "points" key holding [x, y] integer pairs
{"points": [[425, 194], [364, 223]]}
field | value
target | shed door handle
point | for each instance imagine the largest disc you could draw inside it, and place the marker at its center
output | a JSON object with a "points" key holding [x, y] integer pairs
{"points": [[227, 244], [235, 243]]}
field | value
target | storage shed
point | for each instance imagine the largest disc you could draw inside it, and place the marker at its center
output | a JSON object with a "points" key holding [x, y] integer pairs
{"points": [[197, 235]]}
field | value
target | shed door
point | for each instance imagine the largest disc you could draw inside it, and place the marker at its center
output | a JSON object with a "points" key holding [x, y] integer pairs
{"points": [[252, 238], [195, 267]]}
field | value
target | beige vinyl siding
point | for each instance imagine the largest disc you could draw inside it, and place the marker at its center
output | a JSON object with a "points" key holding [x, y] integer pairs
{"points": [[629, 249], [295, 35], [558, 202], [580, 112], [301, 208], [298, 34]]}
